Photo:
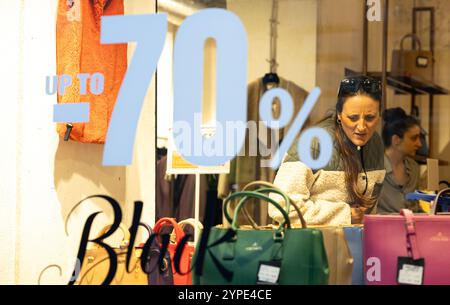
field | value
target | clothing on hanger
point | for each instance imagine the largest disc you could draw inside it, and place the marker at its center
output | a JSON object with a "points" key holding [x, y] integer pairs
{"points": [[176, 197], [160, 152], [79, 51], [245, 169]]}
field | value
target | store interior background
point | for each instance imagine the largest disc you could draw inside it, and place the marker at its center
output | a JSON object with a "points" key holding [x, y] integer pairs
{"points": [[43, 178]]}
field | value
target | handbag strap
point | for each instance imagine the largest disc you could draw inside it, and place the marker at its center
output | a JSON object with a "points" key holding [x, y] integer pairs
{"points": [[191, 222], [197, 225], [245, 211], [123, 228], [245, 195], [436, 200], [286, 198], [179, 233], [269, 200], [412, 36], [411, 238], [246, 188], [271, 185], [148, 229]]}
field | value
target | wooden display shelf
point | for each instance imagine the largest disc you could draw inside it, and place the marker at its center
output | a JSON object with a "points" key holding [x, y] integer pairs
{"points": [[403, 84]]}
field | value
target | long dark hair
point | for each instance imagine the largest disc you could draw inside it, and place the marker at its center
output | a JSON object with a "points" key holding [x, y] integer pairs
{"points": [[350, 158], [396, 122]]}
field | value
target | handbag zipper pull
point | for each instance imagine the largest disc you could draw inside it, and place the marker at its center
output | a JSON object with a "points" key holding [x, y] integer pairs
{"points": [[68, 131]]}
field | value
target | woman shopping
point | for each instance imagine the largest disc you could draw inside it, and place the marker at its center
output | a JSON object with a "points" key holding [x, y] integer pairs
{"points": [[401, 137], [349, 185]]}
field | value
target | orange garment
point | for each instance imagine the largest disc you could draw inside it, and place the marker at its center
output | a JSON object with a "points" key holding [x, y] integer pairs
{"points": [[78, 50]]}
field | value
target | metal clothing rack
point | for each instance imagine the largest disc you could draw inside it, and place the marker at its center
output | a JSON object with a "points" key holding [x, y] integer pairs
{"points": [[273, 37]]}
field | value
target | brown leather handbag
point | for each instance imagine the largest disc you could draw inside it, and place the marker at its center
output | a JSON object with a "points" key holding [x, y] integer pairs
{"points": [[96, 264], [340, 259], [412, 63]]}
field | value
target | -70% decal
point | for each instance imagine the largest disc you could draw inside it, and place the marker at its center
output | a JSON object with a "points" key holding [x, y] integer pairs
{"points": [[149, 31]]}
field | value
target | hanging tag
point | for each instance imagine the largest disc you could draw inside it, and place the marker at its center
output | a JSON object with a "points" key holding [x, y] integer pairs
{"points": [[410, 271], [269, 272]]}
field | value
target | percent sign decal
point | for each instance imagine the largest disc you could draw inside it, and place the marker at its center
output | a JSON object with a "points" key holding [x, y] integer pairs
{"points": [[304, 143]]}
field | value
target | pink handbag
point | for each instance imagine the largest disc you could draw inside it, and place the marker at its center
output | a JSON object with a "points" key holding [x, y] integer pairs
{"points": [[407, 249]]}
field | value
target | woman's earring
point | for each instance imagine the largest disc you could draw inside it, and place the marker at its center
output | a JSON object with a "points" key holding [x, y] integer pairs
{"points": [[339, 121]]}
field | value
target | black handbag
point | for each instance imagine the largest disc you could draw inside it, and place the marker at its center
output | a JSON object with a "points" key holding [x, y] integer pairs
{"points": [[159, 271]]}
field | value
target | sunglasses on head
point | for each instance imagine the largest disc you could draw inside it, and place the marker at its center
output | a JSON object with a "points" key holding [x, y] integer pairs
{"points": [[350, 86]]}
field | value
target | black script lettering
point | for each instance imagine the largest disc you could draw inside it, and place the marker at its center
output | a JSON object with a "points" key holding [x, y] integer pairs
{"points": [[152, 243], [99, 240], [133, 230], [203, 246], [178, 252]]}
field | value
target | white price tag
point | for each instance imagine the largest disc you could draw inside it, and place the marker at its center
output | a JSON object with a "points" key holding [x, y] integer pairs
{"points": [[268, 273], [411, 275]]}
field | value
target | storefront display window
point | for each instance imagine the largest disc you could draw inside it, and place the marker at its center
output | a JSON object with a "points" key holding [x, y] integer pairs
{"points": [[307, 140]]}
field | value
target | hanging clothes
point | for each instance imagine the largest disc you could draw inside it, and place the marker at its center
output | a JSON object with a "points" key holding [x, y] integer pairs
{"points": [[246, 168], [175, 196], [78, 50]]}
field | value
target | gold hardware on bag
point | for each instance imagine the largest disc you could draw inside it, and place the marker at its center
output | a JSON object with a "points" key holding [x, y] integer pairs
{"points": [[124, 244], [165, 265]]}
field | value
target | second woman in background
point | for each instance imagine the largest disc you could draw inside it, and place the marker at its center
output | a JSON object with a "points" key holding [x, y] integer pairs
{"points": [[401, 137]]}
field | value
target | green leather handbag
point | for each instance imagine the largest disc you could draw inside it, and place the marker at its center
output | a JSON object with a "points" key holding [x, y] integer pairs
{"points": [[280, 255]]}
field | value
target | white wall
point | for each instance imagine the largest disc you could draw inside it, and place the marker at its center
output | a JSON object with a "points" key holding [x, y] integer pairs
{"points": [[9, 61], [42, 178], [296, 42], [339, 46]]}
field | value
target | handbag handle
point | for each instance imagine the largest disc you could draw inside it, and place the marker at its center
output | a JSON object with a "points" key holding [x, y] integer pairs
{"points": [[191, 222], [244, 210], [411, 238], [258, 195], [243, 193], [169, 221], [123, 228], [413, 37], [271, 185], [147, 228], [436, 200]]}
